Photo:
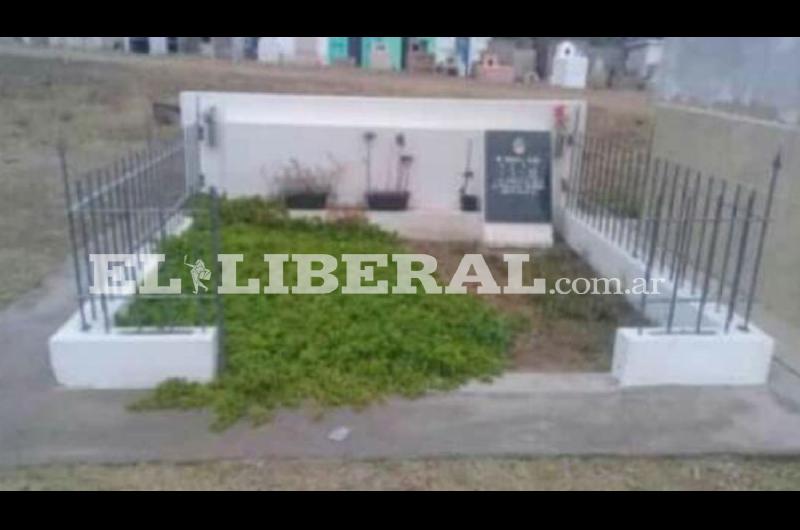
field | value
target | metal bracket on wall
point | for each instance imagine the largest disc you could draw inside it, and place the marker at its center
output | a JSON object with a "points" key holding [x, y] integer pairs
{"points": [[210, 133]]}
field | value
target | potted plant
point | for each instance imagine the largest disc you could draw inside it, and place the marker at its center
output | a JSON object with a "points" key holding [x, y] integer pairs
{"points": [[396, 196], [307, 188], [469, 202]]}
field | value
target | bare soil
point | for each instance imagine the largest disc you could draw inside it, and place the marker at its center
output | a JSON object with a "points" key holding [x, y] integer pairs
{"points": [[559, 333]]}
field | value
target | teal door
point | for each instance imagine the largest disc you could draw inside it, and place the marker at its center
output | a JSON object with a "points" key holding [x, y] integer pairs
{"points": [[394, 46], [337, 49]]}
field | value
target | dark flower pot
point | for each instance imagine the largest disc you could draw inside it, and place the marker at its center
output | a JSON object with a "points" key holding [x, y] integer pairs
{"points": [[470, 203], [388, 200], [311, 200]]}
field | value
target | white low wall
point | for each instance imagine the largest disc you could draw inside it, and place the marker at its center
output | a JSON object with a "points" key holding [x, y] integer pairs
{"points": [[650, 356], [131, 358]]}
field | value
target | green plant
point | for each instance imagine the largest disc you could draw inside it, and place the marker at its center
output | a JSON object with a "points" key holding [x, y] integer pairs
{"points": [[561, 262], [295, 178], [332, 350]]}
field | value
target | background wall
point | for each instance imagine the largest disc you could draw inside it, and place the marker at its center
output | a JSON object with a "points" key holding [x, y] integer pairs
{"points": [[726, 105], [276, 49], [757, 76], [258, 134], [741, 149], [642, 58], [435, 175]]}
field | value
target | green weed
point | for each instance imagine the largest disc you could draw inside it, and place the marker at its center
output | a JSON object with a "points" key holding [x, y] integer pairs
{"points": [[326, 351]]}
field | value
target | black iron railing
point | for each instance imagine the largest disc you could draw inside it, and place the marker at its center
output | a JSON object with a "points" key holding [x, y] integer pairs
{"points": [[133, 206], [703, 233]]}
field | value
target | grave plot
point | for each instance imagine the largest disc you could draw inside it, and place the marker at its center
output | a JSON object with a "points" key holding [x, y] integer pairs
{"points": [[258, 176], [325, 350], [339, 349]]}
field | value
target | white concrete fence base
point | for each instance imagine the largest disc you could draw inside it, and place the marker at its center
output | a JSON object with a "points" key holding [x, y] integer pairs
{"points": [[131, 359], [656, 358]]}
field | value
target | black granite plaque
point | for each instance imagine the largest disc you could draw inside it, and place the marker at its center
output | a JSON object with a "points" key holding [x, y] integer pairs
{"points": [[518, 177]]}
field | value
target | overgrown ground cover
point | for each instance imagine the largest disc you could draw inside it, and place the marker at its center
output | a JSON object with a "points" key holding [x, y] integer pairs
{"points": [[334, 350], [331, 350], [558, 333]]}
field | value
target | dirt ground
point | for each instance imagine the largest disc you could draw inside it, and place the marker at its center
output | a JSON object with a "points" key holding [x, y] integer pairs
{"points": [[100, 105], [717, 473], [560, 333]]}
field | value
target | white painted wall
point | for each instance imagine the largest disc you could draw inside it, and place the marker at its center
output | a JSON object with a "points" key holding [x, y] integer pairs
{"points": [[565, 50], [435, 173], [570, 72], [643, 57], [285, 49], [94, 43], [158, 46], [260, 133], [654, 54], [322, 50], [570, 66]]}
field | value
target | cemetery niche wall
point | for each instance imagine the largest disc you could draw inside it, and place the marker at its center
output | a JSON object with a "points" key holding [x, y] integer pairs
{"points": [[410, 163]]}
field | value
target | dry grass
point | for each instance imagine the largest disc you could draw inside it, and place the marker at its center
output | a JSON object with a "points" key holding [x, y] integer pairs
{"points": [[561, 333], [101, 105], [719, 473]]}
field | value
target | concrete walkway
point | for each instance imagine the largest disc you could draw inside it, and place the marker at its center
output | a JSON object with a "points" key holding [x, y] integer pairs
{"points": [[521, 414]]}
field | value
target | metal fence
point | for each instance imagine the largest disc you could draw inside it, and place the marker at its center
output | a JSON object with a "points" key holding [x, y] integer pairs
{"points": [[701, 232], [133, 206]]}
